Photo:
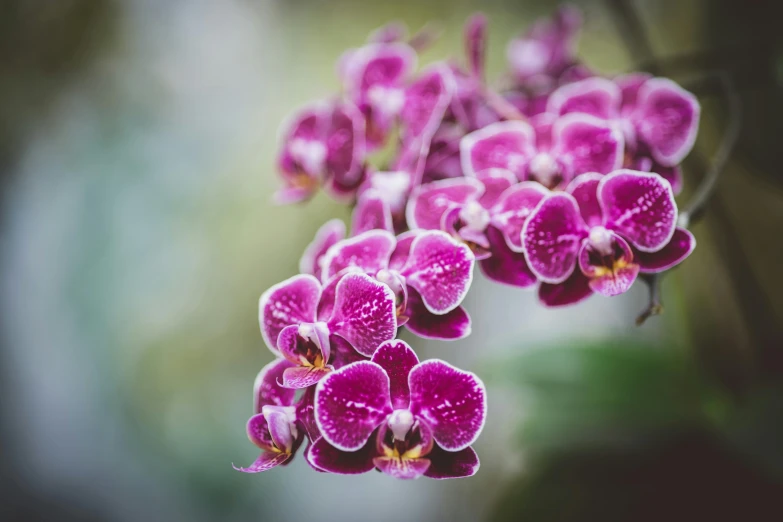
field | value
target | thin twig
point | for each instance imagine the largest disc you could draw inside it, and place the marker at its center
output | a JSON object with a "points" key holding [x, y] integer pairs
{"points": [[655, 304], [698, 201]]}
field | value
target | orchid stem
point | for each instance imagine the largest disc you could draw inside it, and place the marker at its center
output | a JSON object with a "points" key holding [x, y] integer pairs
{"points": [[695, 207], [655, 304]]}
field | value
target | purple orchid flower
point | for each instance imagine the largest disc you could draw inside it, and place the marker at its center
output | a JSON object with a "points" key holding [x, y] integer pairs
{"points": [[362, 317], [611, 228], [547, 51], [322, 145], [428, 272], [280, 424], [551, 152], [487, 213], [658, 117], [403, 417], [330, 233]]}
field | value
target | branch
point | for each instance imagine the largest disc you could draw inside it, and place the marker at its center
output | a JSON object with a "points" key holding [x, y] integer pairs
{"points": [[695, 207], [655, 304]]}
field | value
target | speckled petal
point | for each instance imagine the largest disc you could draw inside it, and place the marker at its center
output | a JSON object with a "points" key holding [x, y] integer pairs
{"points": [[505, 265], [364, 312], [350, 403], [397, 358], [324, 457], [452, 402], [584, 143], [507, 145], [676, 250], [267, 389], [303, 377], [440, 269], [372, 212], [449, 465], [330, 233], [584, 188], [667, 120], [571, 291], [343, 353], [640, 207], [595, 96], [368, 252], [450, 326], [293, 301], [514, 207], [552, 237], [429, 202]]}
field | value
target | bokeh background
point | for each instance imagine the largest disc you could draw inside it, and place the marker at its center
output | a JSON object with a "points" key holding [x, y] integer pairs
{"points": [[137, 140]]}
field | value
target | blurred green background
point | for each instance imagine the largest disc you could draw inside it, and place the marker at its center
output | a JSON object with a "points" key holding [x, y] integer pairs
{"points": [[137, 142]]}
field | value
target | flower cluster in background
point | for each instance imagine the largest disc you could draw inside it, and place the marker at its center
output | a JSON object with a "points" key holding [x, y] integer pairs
{"points": [[564, 180]]}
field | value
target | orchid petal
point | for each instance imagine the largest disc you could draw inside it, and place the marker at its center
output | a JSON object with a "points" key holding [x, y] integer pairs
{"points": [[266, 461], [330, 233], [552, 236], [450, 326], [350, 403], [612, 272], [364, 312], [267, 389], [397, 358], [292, 301], [324, 457], [405, 468], [506, 144], [476, 44], [452, 402], [426, 101], [676, 250], [440, 269], [584, 188], [571, 291], [371, 212], [345, 147], [505, 265], [279, 422], [587, 144], [667, 119], [639, 206], [303, 377], [343, 353], [495, 182], [367, 252], [513, 208], [595, 96], [448, 465], [403, 249], [429, 202]]}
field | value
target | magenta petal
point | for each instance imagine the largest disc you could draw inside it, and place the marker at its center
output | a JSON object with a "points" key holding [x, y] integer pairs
{"points": [[676, 250], [324, 457], [514, 207], [397, 358], [629, 85], [476, 44], [429, 202], [326, 303], [504, 265], [257, 429], [367, 252], [552, 237], [280, 422], [639, 206], [345, 146], [585, 143], [266, 461], [452, 402], [574, 289], [426, 101], [298, 343], [667, 120], [495, 182], [607, 260], [584, 188], [379, 64], [440, 269], [371, 212], [267, 389], [293, 301], [303, 377], [446, 327], [305, 414], [343, 353], [617, 282], [507, 145], [595, 96], [330, 233], [350, 403], [403, 249], [405, 469], [364, 312], [448, 465]]}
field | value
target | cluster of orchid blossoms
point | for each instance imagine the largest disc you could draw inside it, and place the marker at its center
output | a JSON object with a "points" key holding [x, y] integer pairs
{"points": [[564, 180]]}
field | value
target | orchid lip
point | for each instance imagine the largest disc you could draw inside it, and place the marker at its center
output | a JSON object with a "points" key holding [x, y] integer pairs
{"points": [[400, 422], [311, 154], [601, 240]]}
